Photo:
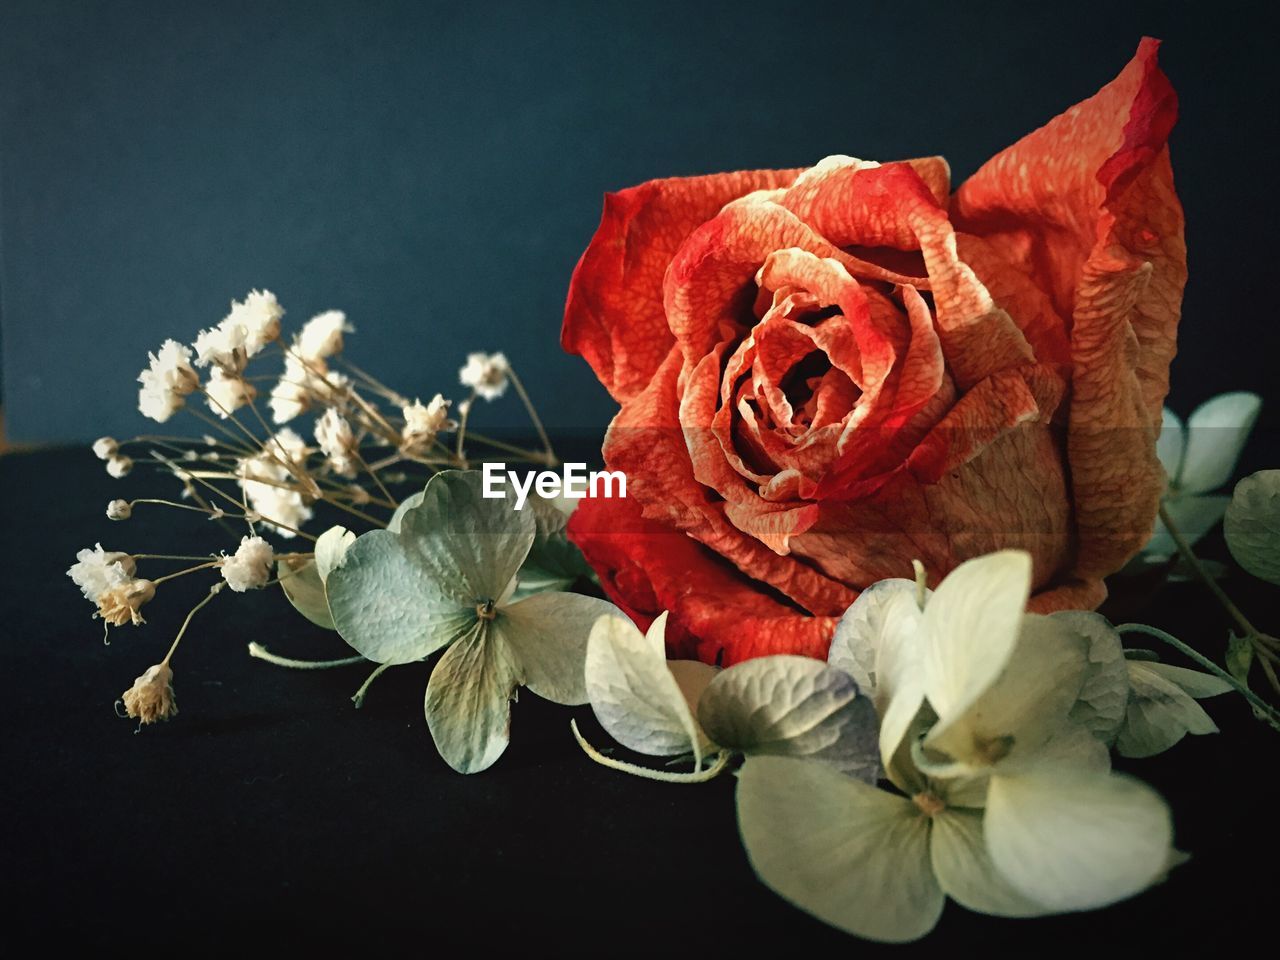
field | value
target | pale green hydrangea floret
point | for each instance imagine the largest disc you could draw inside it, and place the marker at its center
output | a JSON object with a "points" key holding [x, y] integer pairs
{"points": [[443, 576]]}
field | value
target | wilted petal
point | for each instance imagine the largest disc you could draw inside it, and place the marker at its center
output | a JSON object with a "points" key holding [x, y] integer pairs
{"points": [[614, 317]]}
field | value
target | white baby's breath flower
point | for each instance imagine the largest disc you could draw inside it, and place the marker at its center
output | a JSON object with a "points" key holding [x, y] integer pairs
{"points": [[258, 315], [222, 346], [321, 336], [119, 510], [268, 486], [151, 697], [303, 383], [337, 442], [104, 448], [119, 466], [250, 567], [166, 382], [286, 445], [228, 392], [486, 374], [422, 423], [97, 570]]}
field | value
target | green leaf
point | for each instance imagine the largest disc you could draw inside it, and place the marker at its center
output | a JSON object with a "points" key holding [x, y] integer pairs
{"points": [[547, 635], [1160, 712], [633, 693], [468, 701], [553, 562], [1252, 525], [1077, 841], [849, 854], [793, 706], [301, 583]]}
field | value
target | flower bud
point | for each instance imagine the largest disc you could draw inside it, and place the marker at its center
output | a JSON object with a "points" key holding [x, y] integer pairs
{"points": [[104, 448], [119, 466], [119, 510]]}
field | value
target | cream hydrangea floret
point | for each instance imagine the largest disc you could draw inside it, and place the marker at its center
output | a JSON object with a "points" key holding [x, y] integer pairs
{"points": [[994, 725]]}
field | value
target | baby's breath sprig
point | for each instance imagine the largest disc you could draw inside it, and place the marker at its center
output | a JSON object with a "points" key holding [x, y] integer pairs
{"points": [[254, 474]]}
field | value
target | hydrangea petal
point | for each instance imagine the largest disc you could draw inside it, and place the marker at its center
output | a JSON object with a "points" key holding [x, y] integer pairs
{"points": [[792, 706], [1252, 524], [1216, 433], [971, 627], [547, 635], [849, 854], [468, 700], [965, 871], [1077, 841], [634, 695]]}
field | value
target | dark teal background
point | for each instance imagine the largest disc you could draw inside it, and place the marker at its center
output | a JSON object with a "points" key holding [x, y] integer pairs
{"points": [[436, 169]]}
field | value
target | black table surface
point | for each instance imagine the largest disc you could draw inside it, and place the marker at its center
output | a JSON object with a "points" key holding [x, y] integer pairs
{"points": [[271, 813]]}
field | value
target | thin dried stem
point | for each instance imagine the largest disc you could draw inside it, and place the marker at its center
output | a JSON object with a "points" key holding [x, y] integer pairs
{"points": [[262, 653], [533, 415], [213, 592], [697, 776]]}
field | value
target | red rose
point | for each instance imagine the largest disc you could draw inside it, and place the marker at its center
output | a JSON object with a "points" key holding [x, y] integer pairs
{"points": [[827, 373]]}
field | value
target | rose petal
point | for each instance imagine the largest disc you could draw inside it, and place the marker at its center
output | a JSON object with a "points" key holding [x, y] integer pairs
{"points": [[646, 568], [1086, 206], [613, 315]]}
